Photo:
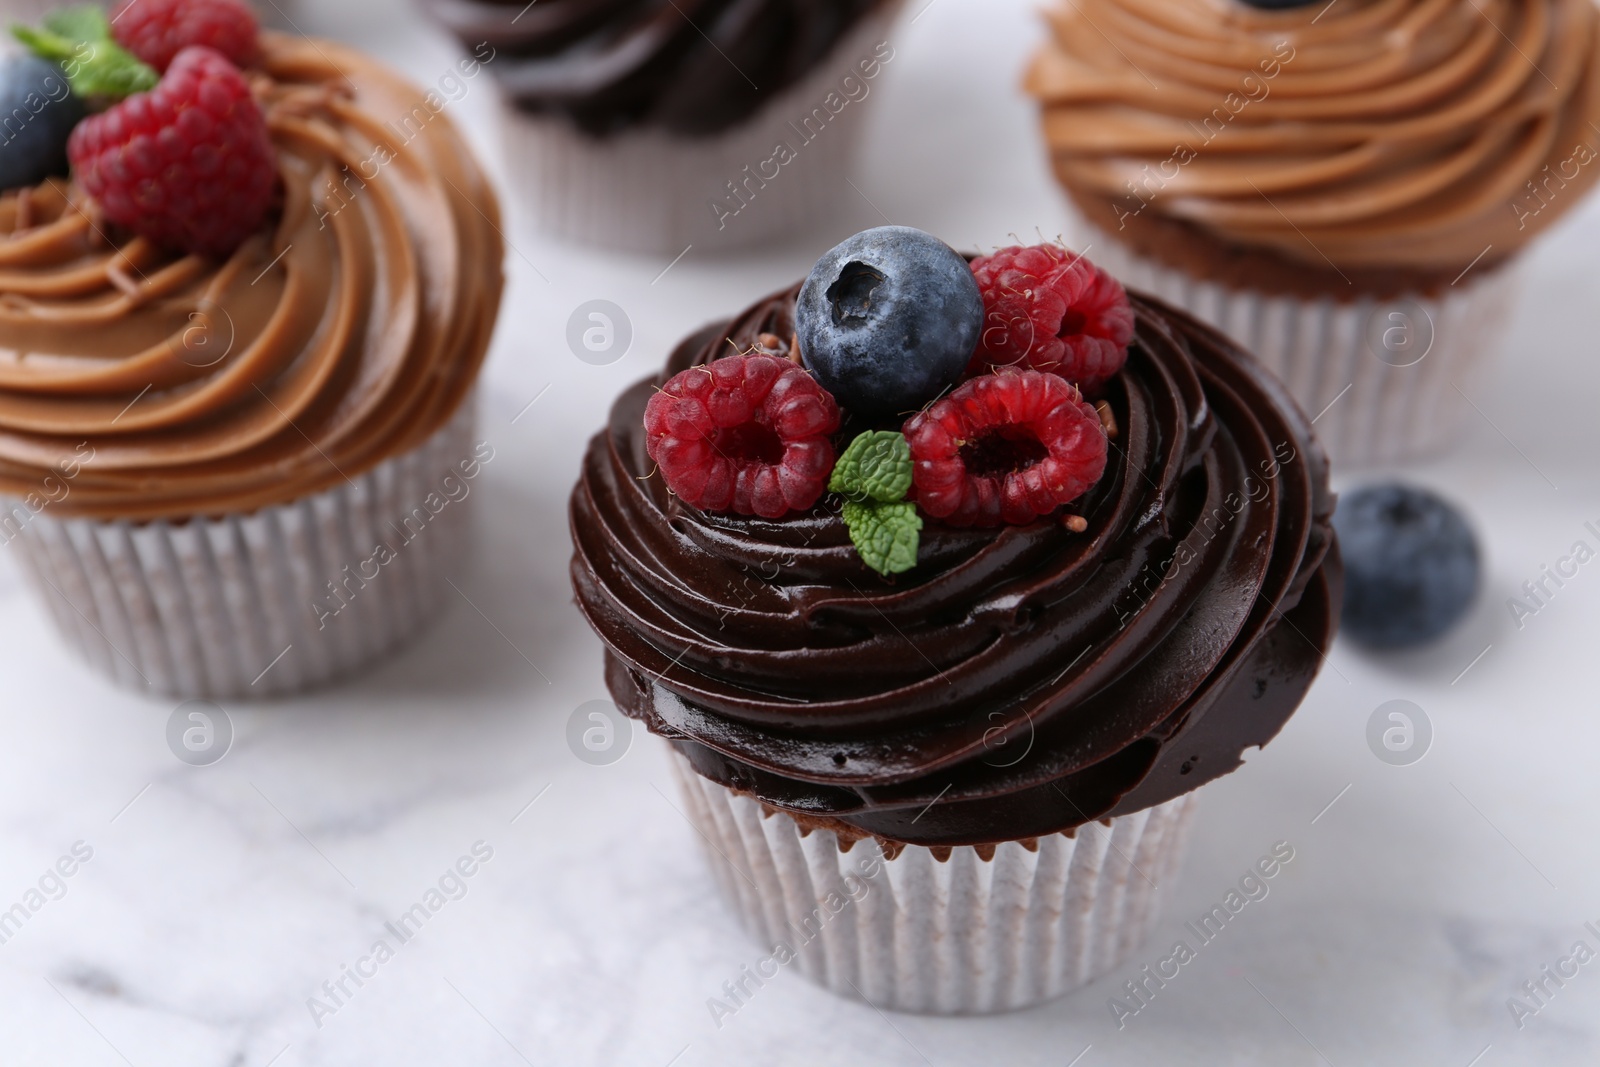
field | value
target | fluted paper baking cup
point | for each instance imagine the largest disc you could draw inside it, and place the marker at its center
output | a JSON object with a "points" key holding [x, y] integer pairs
{"points": [[1384, 380], [264, 604], [648, 191], [954, 936]]}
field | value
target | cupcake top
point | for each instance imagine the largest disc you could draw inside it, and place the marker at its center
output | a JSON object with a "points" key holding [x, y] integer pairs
{"points": [[342, 329], [1026, 667], [690, 67], [1418, 135]]}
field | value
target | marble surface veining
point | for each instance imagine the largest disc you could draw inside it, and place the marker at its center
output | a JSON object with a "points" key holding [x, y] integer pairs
{"points": [[224, 916]]}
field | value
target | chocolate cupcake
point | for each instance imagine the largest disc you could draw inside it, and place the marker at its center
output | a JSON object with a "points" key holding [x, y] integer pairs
{"points": [[650, 125], [1343, 189], [236, 427], [955, 751]]}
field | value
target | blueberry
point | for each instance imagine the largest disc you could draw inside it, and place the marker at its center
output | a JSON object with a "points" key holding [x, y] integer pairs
{"points": [[1411, 565], [37, 113], [888, 320]]}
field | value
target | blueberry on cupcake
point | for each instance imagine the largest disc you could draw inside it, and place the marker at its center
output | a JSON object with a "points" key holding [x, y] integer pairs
{"points": [[237, 412], [1000, 567]]}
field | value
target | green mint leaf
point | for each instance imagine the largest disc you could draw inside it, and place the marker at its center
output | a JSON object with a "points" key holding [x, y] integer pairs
{"points": [[97, 67], [107, 71], [44, 44], [876, 467], [886, 535], [79, 24]]}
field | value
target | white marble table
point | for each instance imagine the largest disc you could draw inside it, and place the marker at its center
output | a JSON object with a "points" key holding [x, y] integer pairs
{"points": [[218, 900]]}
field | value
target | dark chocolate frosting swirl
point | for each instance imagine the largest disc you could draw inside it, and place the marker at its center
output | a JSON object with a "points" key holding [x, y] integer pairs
{"points": [[692, 67], [1020, 681]]}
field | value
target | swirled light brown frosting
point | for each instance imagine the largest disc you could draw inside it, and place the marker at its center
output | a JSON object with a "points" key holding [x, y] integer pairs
{"points": [[1409, 134], [344, 334]]}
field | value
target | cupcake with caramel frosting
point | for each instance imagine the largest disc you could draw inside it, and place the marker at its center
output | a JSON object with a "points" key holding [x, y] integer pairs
{"points": [[240, 472], [1345, 189]]}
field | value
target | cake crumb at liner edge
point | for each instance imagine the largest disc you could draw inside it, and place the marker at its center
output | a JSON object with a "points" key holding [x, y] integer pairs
{"points": [[955, 937], [263, 604], [1351, 365]]}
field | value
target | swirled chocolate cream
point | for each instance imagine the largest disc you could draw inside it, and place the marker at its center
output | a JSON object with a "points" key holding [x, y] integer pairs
{"points": [[686, 67], [1366, 146], [266, 274], [953, 553]]}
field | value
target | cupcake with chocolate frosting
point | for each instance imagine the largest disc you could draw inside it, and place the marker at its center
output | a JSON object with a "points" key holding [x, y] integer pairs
{"points": [[1343, 188], [238, 345], [650, 125], [943, 655]]}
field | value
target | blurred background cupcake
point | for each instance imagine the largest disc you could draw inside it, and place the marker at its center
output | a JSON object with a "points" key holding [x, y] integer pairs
{"points": [[944, 751], [651, 124], [238, 346], [1344, 188]]}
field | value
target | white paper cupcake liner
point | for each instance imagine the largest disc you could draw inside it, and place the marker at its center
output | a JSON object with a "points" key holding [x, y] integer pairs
{"points": [[1384, 380], [263, 604], [959, 936], [649, 191]]}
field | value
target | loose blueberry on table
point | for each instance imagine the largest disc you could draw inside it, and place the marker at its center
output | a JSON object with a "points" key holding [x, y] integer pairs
{"points": [[1412, 566], [984, 365]]}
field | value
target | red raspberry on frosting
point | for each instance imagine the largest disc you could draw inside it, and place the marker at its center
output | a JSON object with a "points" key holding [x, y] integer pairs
{"points": [[1005, 448], [157, 30], [746, 434], [1049, 309], [189, 164]]}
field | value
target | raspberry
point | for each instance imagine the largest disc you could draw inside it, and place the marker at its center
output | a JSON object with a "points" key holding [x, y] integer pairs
{"points": [[188, 164], [747, 434], [1005, 448], [157, 30], [1052, 310]]}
